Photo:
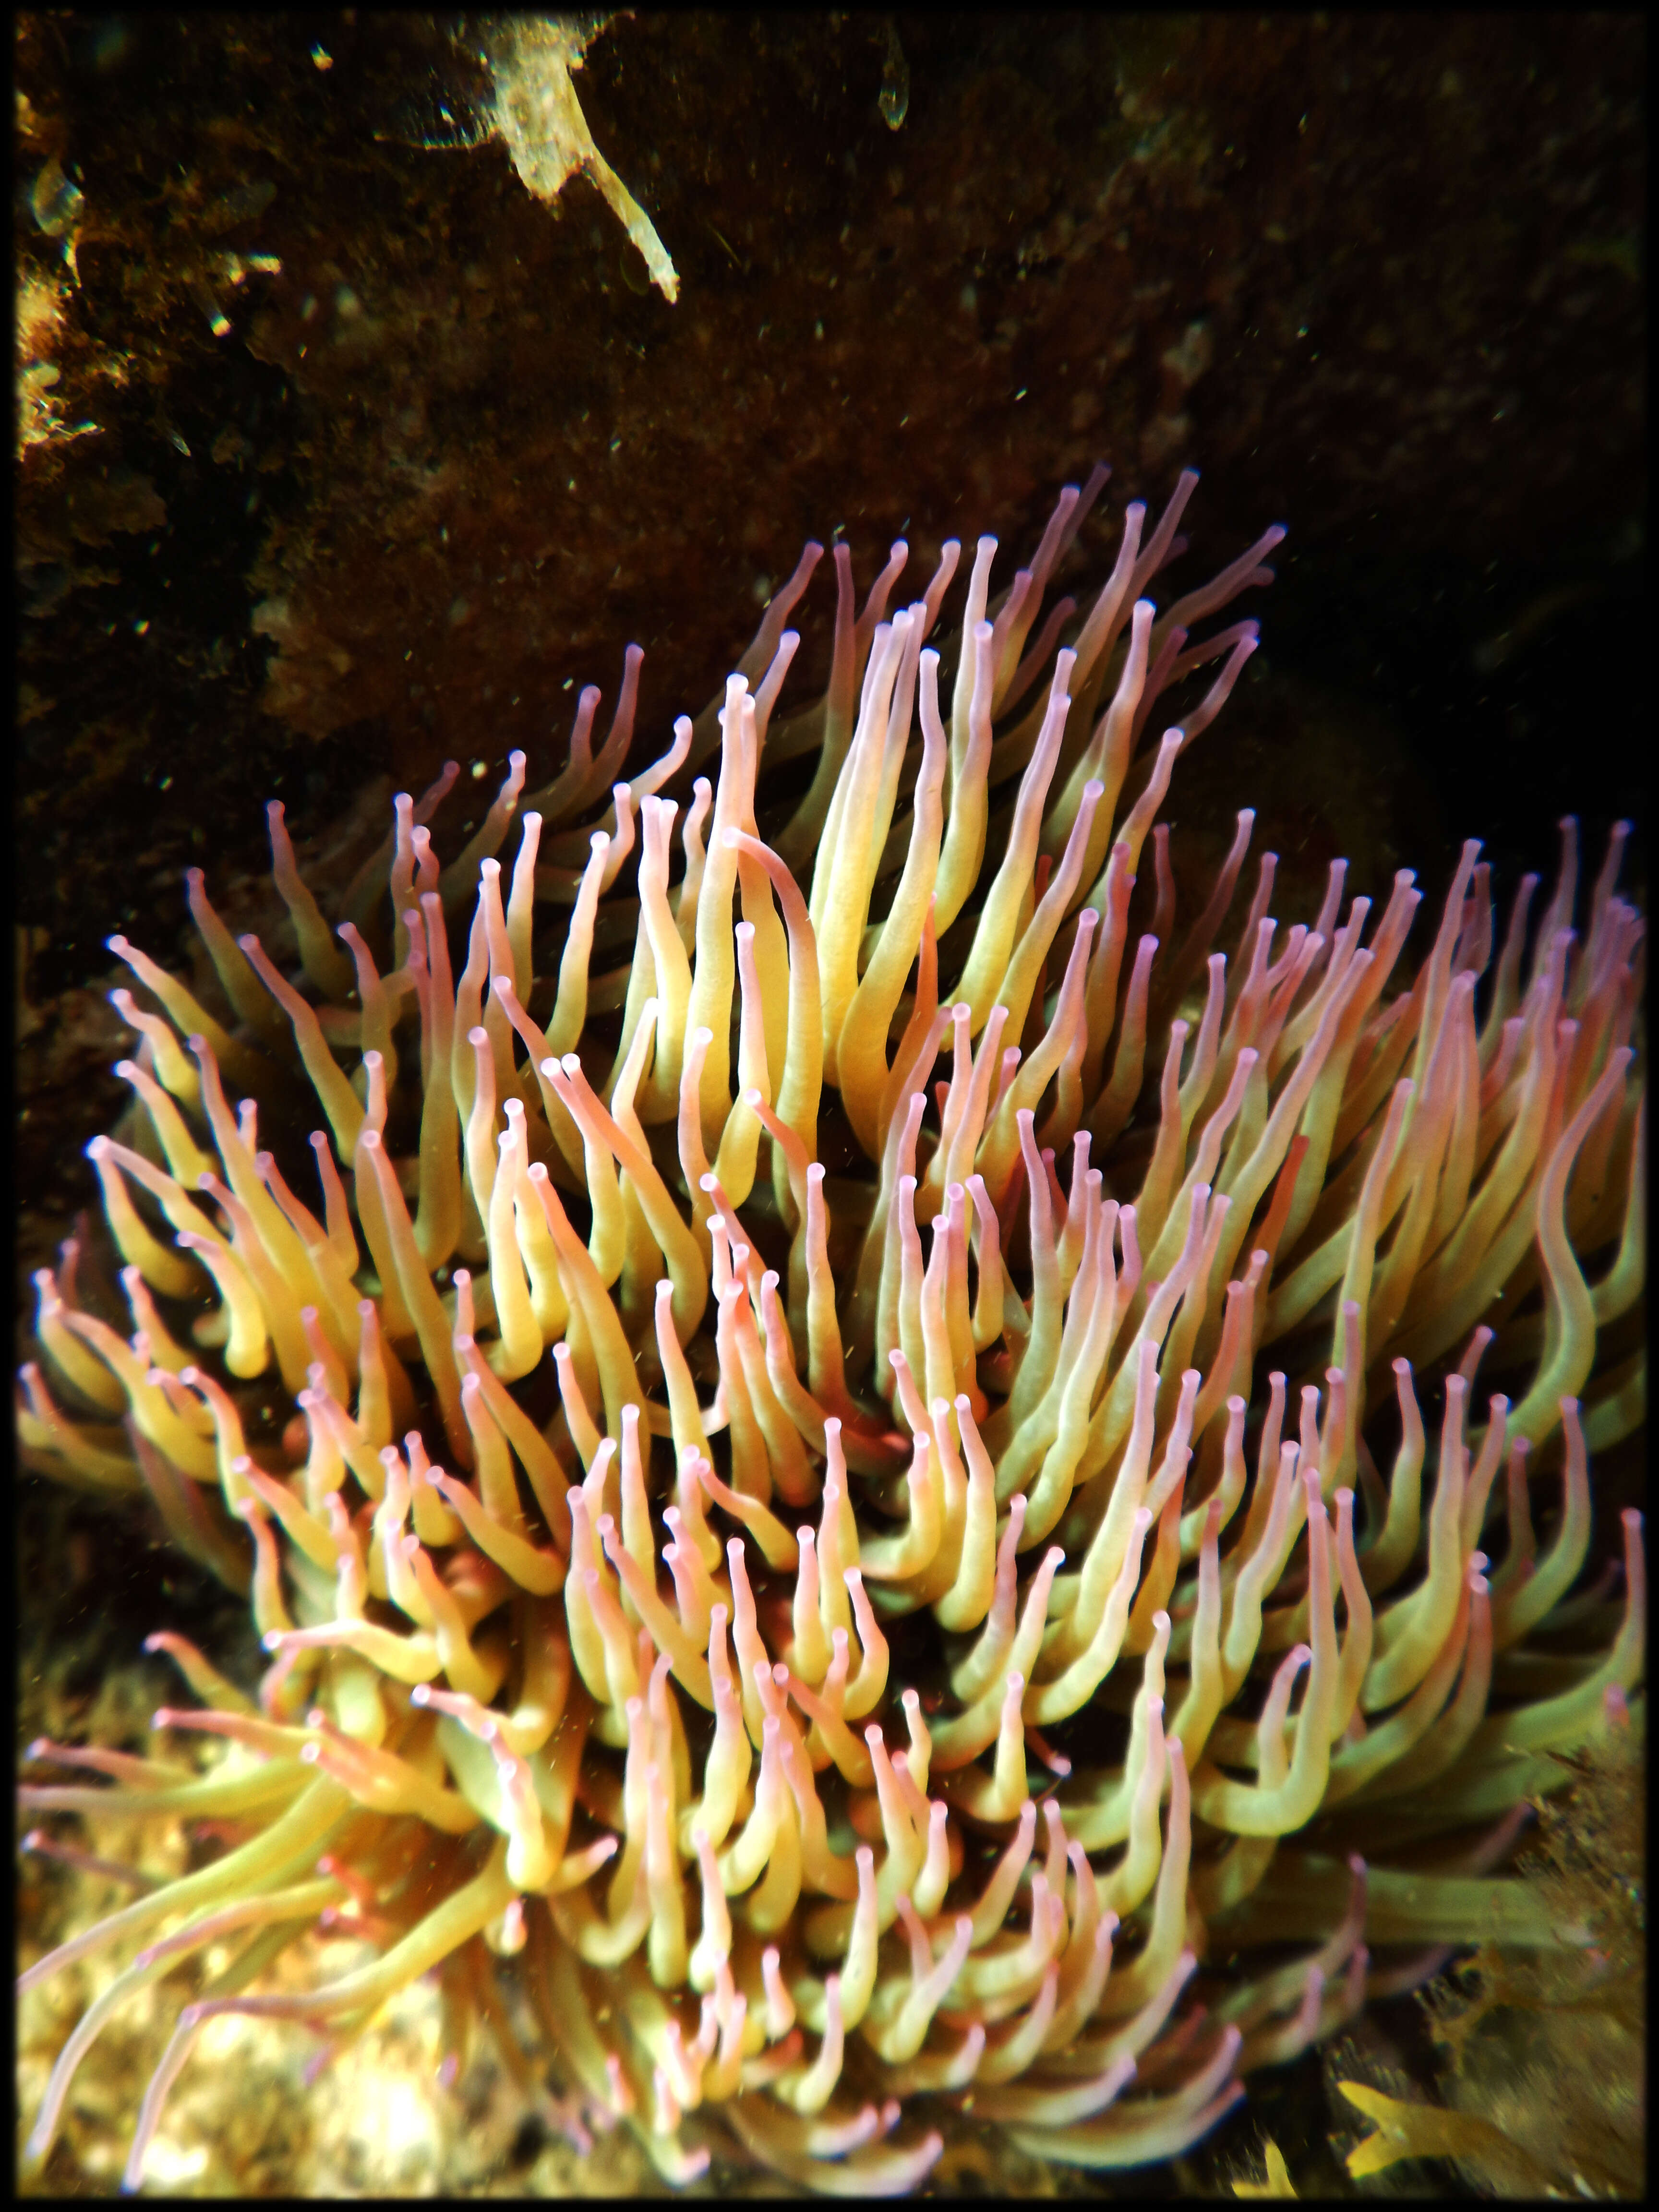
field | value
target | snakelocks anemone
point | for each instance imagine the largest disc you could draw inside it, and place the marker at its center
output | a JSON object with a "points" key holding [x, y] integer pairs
{"points": [[891, 1493]]}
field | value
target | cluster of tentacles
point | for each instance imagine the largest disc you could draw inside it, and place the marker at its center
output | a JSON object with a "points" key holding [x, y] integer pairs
{"points": [[749, 1458]]}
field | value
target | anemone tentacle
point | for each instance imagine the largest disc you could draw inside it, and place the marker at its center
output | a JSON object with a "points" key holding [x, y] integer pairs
{"points": [[739, 1447]]}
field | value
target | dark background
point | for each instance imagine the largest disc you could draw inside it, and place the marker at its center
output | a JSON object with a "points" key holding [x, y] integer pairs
{"points": [[1379, 277], [280, 531]]}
